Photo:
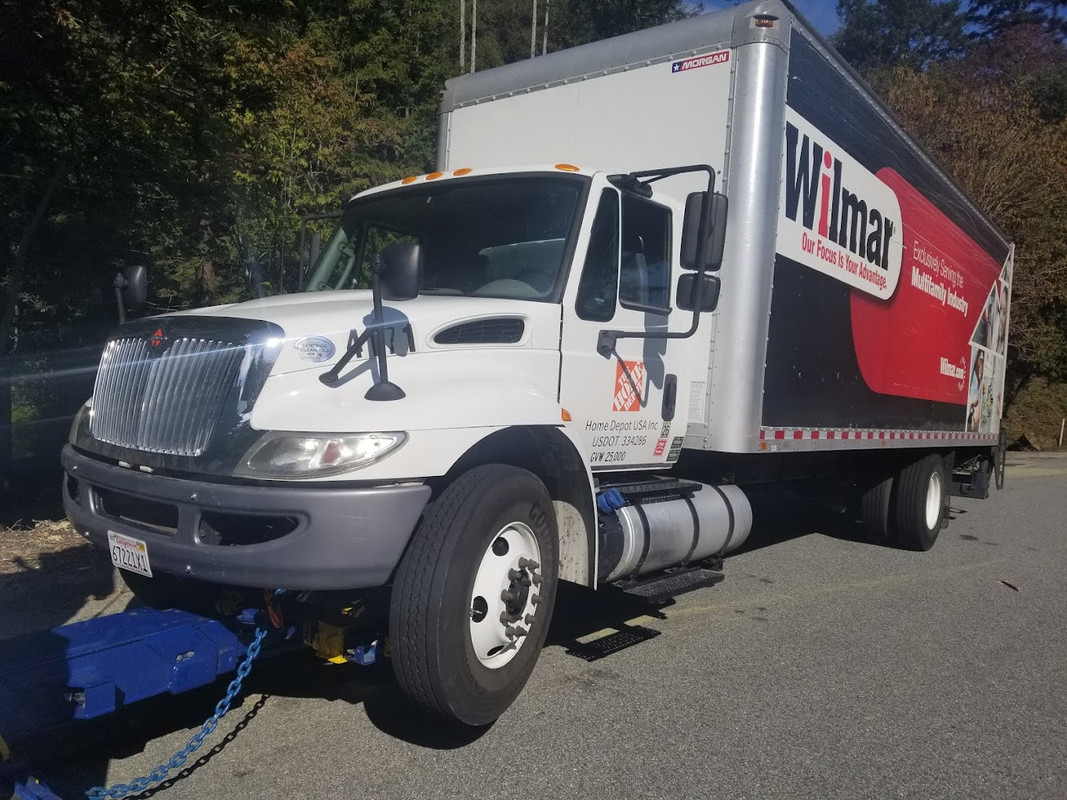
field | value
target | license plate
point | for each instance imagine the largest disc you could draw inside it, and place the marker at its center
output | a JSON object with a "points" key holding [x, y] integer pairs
{"points": [[129, 553]]}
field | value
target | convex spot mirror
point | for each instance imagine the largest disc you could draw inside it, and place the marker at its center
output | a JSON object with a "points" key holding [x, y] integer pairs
{"points": [[401, 270], [687, 288], [716, 236]]}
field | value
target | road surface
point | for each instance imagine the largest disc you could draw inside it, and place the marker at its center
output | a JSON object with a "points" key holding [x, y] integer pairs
{"points": [[821, 667]]}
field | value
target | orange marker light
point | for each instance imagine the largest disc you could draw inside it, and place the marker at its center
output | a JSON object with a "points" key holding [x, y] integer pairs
{"points": [[464, 171], [409, 179], [565, 414], [434, 176], [568, 167]]}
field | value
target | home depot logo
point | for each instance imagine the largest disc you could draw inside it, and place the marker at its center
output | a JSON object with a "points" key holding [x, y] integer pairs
{"points": [[837, 217], [629, 382]]}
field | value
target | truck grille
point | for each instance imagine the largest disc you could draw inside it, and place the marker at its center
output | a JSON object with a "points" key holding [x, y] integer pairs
{"points": [[166, 402]]}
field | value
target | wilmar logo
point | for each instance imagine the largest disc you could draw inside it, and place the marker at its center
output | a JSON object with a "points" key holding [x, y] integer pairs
{"points": [[836, 217]]}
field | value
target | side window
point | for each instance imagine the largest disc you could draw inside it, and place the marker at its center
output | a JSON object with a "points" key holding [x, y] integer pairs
{"points": [[645, 280], [600, 275]]}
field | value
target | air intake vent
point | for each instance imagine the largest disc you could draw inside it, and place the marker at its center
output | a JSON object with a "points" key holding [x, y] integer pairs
{"points": [[483, 331]]}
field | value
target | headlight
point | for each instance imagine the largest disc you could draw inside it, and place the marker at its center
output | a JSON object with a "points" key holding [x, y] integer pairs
{"points": [[302, 455]]}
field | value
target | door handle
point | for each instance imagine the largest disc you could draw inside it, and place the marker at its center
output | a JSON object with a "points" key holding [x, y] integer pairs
{"points": [[670, 396]]}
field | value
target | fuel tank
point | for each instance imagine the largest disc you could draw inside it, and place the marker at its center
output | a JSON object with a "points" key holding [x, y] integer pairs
{"points": [[653, 526]]}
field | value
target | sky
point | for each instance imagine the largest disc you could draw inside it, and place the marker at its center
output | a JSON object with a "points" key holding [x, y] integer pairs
{"points": [[822, 14]]}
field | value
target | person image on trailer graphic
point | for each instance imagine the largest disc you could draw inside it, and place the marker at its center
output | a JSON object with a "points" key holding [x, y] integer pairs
{"points": [[974, 392]]}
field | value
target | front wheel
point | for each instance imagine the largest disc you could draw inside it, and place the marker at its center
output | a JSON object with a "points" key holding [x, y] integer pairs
{"points": [[474, 593]]}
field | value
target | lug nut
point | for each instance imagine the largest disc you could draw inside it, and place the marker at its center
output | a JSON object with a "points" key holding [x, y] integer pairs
{"points": [[528, 563], [516, 631], [529, 619], [514, 575]]}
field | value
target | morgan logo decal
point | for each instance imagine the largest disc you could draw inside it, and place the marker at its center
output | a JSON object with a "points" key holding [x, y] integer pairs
{"points": [[837, 217], [629, 385], [157, 339], [708, 60]]}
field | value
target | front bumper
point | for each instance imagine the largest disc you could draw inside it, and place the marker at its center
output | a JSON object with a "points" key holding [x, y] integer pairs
{"points": [[285, 536]]}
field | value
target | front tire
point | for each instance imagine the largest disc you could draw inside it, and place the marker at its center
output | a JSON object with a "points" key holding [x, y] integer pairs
{"points": [[920, 498], [474, 594]]}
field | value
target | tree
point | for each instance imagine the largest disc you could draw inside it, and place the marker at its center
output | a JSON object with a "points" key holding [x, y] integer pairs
{"points": [[888, 33], [993, 18], [581, 21]]}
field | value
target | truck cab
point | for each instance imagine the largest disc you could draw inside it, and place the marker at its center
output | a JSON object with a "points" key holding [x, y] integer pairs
{"points": [[300, 442]]}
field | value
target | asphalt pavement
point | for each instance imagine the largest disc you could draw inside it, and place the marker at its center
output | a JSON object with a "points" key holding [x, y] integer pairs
{"points": [[822, 667]]}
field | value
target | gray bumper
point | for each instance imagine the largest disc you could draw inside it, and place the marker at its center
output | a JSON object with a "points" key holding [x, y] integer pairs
{"points": [[287, 536]]}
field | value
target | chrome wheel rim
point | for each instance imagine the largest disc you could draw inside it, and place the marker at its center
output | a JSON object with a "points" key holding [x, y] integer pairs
{"points": [[933, 500], [505, 596]]}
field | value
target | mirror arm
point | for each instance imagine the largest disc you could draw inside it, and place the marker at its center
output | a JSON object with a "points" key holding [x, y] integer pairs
{"points": [[383, 388], [120, 283], [607, 339]]}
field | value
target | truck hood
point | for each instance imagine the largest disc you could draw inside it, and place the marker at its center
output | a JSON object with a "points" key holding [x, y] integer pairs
{"points": [[319, 325]]}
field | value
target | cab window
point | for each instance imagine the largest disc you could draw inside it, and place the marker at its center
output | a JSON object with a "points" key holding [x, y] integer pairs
{"points": [[600, 275], [645, 275]]}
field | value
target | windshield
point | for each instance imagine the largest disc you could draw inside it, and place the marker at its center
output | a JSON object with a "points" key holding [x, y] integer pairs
{"points": [[499, 237]]}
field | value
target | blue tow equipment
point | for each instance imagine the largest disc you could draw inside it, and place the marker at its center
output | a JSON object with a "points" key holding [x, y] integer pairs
{"points": [[91, 668]]}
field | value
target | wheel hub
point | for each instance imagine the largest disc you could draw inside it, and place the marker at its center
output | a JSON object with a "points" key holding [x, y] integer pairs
{"points": [[933, 501], [505, 595]]}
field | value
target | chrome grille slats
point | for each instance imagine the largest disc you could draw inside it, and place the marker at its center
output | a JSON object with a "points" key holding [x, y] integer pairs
{"points": [[166, 403]]}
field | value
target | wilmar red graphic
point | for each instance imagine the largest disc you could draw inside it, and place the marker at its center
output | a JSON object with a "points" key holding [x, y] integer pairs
{"points": [[917, 343]]}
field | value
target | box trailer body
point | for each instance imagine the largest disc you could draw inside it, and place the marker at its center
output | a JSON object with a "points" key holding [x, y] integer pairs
{"points": [[576, 361], [859, 284]]}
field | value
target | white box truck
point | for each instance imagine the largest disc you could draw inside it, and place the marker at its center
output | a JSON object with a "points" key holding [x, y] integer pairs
{"points": [[649, 276]]}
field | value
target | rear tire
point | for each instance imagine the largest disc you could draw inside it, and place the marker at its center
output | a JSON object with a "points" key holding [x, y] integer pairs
{"points": [[481, 567], [874, 509], [919, 502]]}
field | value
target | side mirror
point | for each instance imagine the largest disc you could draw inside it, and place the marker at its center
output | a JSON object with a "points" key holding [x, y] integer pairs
{"points": [[401, 270], [691, 223], [131, 289], [134, 285], [710, 286]]}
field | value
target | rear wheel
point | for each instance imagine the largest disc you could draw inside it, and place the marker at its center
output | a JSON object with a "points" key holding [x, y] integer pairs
{"points": [[474, 593], [919, 503], [874, 508]]}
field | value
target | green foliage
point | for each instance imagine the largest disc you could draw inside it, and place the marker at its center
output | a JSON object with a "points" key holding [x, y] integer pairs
{"points": [[994, 18], [888, 33], [1037, 414]]}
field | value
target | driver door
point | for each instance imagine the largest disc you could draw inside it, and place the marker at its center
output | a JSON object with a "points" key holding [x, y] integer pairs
{"points": [[625, 406]]}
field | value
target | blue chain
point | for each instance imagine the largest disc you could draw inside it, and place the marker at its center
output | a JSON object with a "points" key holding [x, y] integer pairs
{"points": [[177, 761]]}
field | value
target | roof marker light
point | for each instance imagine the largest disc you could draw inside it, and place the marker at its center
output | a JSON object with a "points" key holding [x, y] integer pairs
{"points": [[409, 179], [434, 176], [464, 171], [568, 167]]}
